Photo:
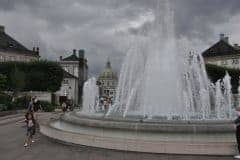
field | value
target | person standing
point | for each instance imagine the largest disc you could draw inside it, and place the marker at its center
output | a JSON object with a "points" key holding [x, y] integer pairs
{"points": [[30, 128], [237, 123], [30, 106]]}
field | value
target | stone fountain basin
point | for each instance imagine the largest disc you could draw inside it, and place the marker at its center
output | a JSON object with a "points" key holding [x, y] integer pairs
{"points": [[149, 125], [207, 137]]}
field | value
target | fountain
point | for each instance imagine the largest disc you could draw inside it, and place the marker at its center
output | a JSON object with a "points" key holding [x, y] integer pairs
{"points": [[165, 102], [90, 96]]}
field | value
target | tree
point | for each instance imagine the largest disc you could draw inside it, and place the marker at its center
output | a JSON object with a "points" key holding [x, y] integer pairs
{"points": [[3, 81], [36, 75], [17, 81]]}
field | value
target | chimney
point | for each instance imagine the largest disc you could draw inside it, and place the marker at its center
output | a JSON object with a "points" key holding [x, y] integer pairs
{"points": [[2, 29], [236, 46], [60, 58], [37, 49], [74, 52], [34, 49], [224, 38], [81, 53]]}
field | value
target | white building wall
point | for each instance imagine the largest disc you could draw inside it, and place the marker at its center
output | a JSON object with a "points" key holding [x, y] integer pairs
{"points": [[69, 88]]}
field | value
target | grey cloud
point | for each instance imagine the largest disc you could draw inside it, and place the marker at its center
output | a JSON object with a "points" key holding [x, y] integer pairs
{"points": [[58, 26]]}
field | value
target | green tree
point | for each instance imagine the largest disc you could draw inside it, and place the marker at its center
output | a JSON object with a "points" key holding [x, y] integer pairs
{"points": [[3, 81], [17, 81], [38, 75]]}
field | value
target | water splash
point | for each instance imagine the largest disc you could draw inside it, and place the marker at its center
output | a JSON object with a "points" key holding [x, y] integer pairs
{"points": [[90, 96], [156, 80]]}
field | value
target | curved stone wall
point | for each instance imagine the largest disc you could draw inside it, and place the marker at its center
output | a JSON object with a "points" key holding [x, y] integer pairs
{"points": [[205, 138]]}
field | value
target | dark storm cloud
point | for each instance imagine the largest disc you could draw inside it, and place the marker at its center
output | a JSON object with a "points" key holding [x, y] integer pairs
{"points": [[104, 27], [198, 17]]}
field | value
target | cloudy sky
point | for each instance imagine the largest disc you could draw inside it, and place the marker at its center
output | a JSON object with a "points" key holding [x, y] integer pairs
{"points": [[104, 27]]}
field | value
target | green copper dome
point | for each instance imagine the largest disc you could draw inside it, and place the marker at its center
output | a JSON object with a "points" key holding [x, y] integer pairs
{"points": [[107, 73]]}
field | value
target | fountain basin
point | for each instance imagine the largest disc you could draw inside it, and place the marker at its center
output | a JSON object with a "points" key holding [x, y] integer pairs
{"points": [[151, 136]]}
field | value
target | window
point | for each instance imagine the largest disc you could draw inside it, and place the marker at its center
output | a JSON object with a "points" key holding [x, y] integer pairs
{"points": [[224, 62], [65, 92], [235, 61], [76, 71], [65, 81]]}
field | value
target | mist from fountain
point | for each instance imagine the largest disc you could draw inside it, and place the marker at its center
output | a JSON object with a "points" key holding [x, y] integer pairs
{"points": [[90, 96], [157, 80]]}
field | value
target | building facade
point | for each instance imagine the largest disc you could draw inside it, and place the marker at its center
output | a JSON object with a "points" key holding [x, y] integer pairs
{"points": [[223, 54], [68, 90], [12, 50], [75, 74], [107, 82]]}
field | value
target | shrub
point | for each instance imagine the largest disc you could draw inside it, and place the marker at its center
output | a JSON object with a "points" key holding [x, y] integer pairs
{"points": [[5, 102], [38, 75], [47, 107], [3, 107], [4, 98], [21, 103]]}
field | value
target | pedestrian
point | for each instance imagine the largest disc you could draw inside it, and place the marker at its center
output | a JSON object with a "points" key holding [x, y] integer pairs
{"points": [[36, 104], [237, 122], [30, 128], [64, 107], [30, 106]]}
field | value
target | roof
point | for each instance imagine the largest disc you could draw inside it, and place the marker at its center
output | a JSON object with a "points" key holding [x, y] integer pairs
{"points": [[73, 57], [221, 48], [7, 43], [68, 75], [108, 73]]}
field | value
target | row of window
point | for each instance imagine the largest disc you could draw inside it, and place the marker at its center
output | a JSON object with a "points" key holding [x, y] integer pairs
{"points": [[108, 92], [108, 83], [232, 62], [13, 58], [65, 81]]}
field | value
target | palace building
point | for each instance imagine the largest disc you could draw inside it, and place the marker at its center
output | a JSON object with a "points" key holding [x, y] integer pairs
{"points": [[75, 74], [223, 53], [12, 50], [107, 81]]}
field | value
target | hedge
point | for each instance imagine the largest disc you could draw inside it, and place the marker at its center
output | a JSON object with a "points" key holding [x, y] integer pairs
{"points": [[5, 102], [21, 103], [38, 75], [217, 72], [47, 107]]}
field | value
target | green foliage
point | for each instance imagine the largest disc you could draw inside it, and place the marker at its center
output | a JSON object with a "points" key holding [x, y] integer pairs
{"points": [[216, 72], [21, 103], [38, 75], [17, 78], [3, 81], [5, 102], [47, 107], [3, 107]]}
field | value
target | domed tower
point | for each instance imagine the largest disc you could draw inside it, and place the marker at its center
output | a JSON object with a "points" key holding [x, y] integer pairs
{"points": [[107, 81]]}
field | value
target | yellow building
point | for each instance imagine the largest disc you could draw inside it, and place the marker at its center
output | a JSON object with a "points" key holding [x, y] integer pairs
{"points": [[12, 50]]}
